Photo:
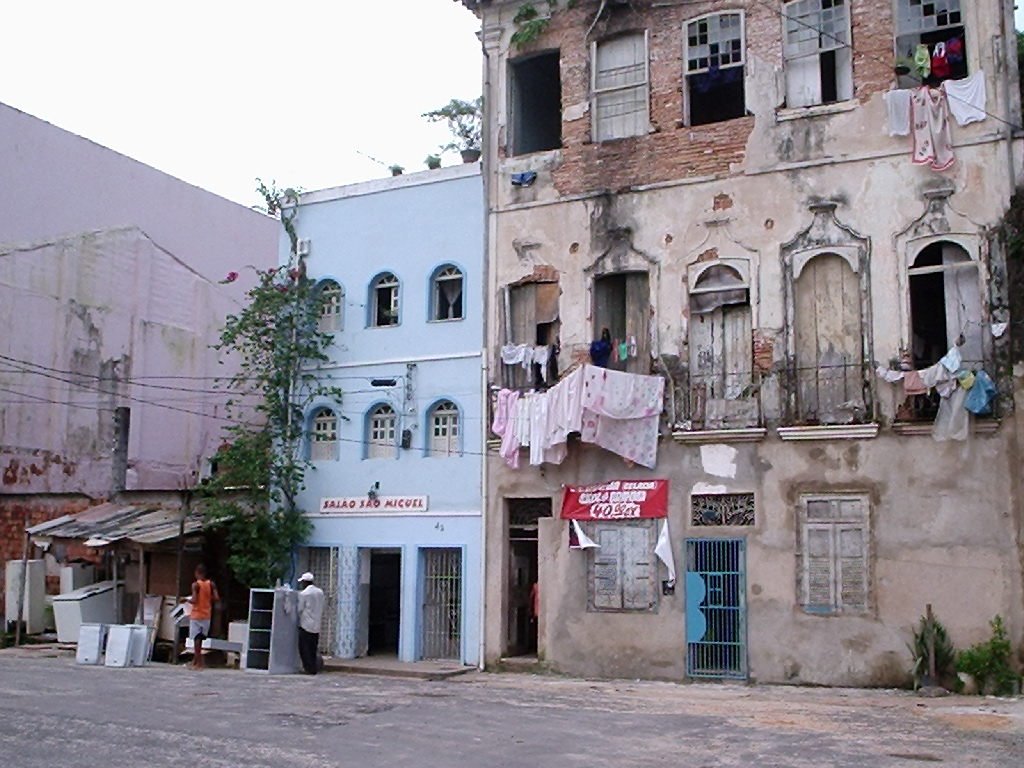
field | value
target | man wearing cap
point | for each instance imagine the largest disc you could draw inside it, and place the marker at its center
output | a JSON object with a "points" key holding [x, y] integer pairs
{"points": [[311, 611]]}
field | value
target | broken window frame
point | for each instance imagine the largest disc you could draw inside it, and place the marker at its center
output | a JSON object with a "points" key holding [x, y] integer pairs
{"points": [[324, 435], [912, 28], [836, 520], [636, 289], [332, 306], [445, 276], [640, 90], [695, 65], [518, 144], [544, 325], [803, 50], [445, 438], [613, 584], [963, 326], [720, 510], [385, 304], [381, 432], [715, 401]]}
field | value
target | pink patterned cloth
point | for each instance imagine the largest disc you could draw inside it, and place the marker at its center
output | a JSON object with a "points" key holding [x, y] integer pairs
{"points": [[505, 426], [621, 413], [929, 129]]}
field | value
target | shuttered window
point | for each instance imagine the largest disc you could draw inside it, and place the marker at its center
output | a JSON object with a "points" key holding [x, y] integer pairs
{"points": [[834, 552], [620, 87], [381, 429], [829, 338], [623, 571], [324, 446]]}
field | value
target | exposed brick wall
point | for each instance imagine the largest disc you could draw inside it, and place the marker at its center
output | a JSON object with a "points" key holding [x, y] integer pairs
{"points": [[675, 151], [12, 527]]}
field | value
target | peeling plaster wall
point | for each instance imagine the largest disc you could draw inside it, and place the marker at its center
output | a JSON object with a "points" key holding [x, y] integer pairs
{"points": [[944, 518], [101, 314], [110, 270]]}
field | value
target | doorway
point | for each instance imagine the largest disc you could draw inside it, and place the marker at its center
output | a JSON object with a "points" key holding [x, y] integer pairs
{"points": [[523, 573], [441, 619], [716, 608], [385, 602]]}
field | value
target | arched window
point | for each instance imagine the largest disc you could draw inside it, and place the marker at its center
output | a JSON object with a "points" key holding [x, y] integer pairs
{"points": [[829, 341], [324, 445], [444, 429], [384, 300], [447, 294], [381, 427], [945, 305], [332, 307]]}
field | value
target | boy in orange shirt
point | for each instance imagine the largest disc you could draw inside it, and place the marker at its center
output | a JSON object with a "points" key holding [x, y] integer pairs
{"points": [[204, 595]]}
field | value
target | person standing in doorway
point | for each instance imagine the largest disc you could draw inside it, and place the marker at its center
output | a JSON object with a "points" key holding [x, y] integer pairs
{"points": [[311, 611], [204, 595]]}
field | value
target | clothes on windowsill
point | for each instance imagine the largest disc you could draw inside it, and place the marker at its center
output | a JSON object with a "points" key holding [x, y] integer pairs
{"points": [[890, 376], [967, 98], [518, 354], [922, 61], [952, 359], [980, 395], [913, 385], [940, 64], [929, 121], [541, 356], [524, 179], [953, 421], [621, 416]]}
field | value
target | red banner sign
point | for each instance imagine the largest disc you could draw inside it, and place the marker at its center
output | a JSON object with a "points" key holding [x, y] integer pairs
{"points": [[616, 500]]}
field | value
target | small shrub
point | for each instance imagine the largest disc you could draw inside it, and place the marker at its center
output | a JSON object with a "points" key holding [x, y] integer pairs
{"points": [[989, 662], [945, 653]]}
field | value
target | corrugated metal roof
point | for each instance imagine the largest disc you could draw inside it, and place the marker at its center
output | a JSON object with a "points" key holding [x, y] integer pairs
{"points": [[118, 522]]}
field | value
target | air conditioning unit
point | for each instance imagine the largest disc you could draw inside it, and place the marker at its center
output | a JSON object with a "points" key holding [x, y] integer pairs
{"points": [[302, 248]]}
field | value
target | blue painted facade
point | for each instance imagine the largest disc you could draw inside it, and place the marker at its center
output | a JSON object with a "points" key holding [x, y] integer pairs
{"points": [[413, 227]]}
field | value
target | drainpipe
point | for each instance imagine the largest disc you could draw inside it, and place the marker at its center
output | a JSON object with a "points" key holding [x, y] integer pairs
{"points": [[21, 590], [484, 353], [1003, 66]]}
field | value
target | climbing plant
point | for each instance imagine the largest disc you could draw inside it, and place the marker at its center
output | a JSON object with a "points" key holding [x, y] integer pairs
{"points": [[530, 25], [275, 342]]}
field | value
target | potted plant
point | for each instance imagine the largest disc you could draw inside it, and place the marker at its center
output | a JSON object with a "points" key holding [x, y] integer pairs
{"points": [[433, 162], [465, 121], [902, 66], [396, 170]]}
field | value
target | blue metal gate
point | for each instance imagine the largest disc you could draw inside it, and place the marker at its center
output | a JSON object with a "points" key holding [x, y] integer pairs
{"points": [[716, 608]]}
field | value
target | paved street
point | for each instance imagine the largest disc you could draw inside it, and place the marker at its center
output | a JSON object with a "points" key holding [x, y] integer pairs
{"points": [[54, 713]]}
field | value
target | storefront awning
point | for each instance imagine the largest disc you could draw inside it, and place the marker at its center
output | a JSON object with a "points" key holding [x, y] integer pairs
{"points": [[109, 523]]}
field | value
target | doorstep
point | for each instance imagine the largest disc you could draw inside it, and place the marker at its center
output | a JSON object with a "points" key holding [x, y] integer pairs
{"points": [[391, 667]]}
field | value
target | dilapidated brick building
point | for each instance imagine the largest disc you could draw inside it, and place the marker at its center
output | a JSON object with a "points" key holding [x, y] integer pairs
{"points": [[759, 203]]}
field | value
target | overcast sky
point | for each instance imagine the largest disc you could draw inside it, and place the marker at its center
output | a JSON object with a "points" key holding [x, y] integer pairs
{"points": [[221, 91]]}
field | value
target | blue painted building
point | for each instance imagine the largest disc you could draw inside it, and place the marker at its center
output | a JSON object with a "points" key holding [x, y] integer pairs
{"points": [[395, 490]]}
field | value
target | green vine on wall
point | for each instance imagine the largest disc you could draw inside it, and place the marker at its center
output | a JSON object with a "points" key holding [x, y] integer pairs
{"points": [[530, 25]]}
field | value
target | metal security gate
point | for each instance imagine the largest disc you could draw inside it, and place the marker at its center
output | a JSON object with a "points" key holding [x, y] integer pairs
{"points": [[322, 562], [442, 604], [716, 608]]}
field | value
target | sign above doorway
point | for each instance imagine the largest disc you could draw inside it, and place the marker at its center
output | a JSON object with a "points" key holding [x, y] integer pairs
{"points": [[339, 505], [616, 500]]}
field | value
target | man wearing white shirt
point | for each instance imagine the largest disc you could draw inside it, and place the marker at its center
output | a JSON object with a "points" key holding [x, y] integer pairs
{"points": [[311, 611]]}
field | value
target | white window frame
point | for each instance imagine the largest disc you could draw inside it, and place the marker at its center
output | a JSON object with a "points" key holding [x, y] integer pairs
{"points": [[381, 281], [332, 307], [701, 70], [445, 426], [812, 58], [382, 432], [324, 443], [644, 87], [839, 521], [686, 40], [447, 273]]}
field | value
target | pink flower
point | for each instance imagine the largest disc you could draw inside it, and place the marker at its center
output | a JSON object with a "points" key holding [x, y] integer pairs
{"points": [[230, 277]]}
